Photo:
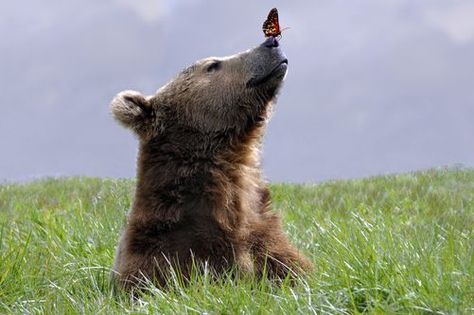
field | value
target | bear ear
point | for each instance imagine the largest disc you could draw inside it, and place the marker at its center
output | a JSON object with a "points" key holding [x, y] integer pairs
{"points": [[131, 109]]}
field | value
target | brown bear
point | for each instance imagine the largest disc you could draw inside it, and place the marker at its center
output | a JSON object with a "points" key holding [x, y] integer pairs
{"points": [[200, 197]]}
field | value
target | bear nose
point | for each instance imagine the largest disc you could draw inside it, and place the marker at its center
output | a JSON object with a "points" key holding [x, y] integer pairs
{"points": [[271, 42]]}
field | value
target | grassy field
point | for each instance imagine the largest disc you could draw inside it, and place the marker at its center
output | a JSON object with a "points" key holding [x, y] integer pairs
{"points": [[394, 244]]}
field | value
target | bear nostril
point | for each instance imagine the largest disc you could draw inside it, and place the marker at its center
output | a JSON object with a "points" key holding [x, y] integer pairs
{"points": [[271, 42]]}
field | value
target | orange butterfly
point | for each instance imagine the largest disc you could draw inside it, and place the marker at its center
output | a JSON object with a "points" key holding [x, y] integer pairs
{"points": [[271, 26]]}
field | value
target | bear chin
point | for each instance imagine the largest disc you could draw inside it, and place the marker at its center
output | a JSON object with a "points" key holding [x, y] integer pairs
{"points": [[275, 76]]}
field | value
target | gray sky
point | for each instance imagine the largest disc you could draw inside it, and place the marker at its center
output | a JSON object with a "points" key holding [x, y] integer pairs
{"points": [[373, 86]]}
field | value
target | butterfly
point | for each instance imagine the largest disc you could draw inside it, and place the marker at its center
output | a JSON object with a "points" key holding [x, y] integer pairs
{"points": [[271, 26]]}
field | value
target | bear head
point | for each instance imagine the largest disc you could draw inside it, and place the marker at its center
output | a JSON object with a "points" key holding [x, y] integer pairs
{"points": [[227, 95]]}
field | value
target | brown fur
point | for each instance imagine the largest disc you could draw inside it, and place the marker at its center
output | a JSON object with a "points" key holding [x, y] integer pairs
{"points": [[199, 193]]}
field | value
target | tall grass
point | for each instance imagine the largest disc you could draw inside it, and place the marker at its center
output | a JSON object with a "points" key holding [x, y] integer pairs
{"points": [[392, 244]]}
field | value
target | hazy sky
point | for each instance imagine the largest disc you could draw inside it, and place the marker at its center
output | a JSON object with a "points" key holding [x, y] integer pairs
{"points": [[373, 86]]}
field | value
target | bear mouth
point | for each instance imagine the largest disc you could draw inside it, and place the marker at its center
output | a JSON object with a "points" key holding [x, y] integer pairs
{"points": [[277, 72]]}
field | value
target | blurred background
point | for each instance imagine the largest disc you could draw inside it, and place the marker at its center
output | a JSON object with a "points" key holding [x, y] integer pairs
{"points": [[374, 87]]}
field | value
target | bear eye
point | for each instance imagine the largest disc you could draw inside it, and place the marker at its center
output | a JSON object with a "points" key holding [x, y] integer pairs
{"points": [[216, 65]]}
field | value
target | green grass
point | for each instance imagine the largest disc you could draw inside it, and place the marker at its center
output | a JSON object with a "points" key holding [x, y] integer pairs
{"points": [[392, 244]]}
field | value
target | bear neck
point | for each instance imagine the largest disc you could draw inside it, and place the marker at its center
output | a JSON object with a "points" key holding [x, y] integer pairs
{"points": [[185, 175]]}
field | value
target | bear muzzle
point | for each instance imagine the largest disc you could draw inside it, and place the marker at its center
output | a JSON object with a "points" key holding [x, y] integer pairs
{"points": [[268, 63]]}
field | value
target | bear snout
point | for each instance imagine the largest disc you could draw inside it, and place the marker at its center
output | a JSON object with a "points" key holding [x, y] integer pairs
{"points": [[267, 64]]}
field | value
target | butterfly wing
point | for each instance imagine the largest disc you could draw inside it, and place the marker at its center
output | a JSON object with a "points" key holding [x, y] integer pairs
{"points": [[271, 26]]}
